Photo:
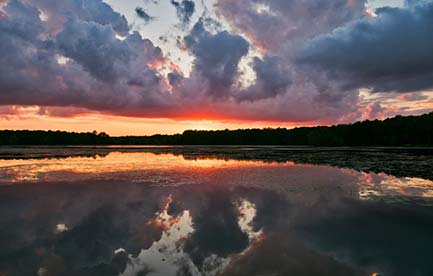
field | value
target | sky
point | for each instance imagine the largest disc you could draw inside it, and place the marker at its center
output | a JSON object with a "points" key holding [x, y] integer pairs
{"points": [[163, 66]]}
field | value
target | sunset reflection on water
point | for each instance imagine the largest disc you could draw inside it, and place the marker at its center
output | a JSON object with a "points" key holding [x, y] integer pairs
{"points": [[19, 170], [143, 166], [213, 211]]}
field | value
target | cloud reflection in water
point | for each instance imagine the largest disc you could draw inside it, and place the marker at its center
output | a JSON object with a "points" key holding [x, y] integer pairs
{"points": [[160, 214]]}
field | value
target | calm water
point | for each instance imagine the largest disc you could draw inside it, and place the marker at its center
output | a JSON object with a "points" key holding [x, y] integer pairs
{"points": [[216, 211]]}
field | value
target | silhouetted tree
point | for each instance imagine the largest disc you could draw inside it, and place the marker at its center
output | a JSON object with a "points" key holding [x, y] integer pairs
{"points": [[397, 131]]}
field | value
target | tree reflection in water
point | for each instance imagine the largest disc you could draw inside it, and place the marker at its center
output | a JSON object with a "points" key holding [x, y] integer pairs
{"points": [[139, 213]]}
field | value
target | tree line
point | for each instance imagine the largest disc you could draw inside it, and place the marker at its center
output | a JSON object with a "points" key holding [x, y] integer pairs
{"points": [[396, 131]]}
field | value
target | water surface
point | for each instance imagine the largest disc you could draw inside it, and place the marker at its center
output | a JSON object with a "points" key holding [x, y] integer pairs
{"points": [[215, 211]]}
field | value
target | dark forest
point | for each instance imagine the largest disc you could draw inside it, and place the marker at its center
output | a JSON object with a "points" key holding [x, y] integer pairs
{"points": [[396, 131]]}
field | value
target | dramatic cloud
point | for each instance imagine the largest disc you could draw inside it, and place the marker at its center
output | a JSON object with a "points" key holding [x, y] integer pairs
{"points": [[184, 9], [83, 65], [271, 79], [94, 10], [280, 29], [216, 57], [249, 60], [279, 24], [95, 47], [391, 52]]}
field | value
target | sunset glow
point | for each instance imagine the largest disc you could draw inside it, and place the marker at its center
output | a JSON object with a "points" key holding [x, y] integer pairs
{"points": [[216, 137], [52, 170], [119, 126], [140, 68]]}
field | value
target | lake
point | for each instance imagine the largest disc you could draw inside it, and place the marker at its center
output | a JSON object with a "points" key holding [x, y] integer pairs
{"points": [[217, 210]]}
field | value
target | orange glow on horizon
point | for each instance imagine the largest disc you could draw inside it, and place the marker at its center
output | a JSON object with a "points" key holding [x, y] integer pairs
{"points": [[133, 163], [16, 117], [120, 126]]}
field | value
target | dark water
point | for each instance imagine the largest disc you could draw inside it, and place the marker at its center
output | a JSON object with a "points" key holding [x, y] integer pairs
{"points": [[216, 211]]}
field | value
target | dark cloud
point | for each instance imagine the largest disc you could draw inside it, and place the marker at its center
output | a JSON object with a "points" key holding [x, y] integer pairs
{"points": [[103, 72], [280, 29], [184, 9], [216, 57], [22, 21], [388, 53], [82, 55], [272, 78], [93, 10], [143, 14], [280, 25], [95, 47], [19, 36]]}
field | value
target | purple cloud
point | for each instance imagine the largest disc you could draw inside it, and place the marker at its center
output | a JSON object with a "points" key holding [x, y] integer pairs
{"points": [[391, 52], [83, 55]]}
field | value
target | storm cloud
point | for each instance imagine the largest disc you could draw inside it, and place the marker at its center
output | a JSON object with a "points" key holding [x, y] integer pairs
{"points": [[249, 60], [216, 57], [391, 52], [272, 78], [278, 25], [94, 10], [83, 65]]}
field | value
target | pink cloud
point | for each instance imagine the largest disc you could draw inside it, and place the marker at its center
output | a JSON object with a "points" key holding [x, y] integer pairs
{"points": [[128, 77]]}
